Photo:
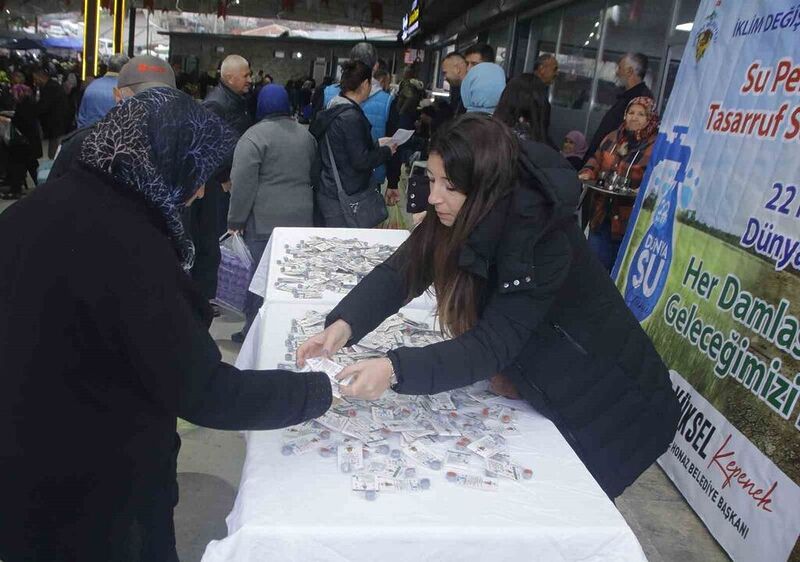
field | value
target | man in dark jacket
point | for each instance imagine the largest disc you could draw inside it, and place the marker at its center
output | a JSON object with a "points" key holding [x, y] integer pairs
{"points": [[137, 75], [454, 67], [545, 69], [631, 70], [53, 109], [554, 324], [208, 219]]}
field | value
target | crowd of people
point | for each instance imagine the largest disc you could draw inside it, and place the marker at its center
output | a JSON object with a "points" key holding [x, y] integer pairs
{"points": [[110, 272], [39, 100]]}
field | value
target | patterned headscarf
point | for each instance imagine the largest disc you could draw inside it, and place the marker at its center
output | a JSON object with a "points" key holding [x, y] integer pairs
{"points": [[162, 145], [650, 129]]}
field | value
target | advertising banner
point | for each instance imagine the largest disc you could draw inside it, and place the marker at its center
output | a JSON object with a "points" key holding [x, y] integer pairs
{"points": [[711, 267]]}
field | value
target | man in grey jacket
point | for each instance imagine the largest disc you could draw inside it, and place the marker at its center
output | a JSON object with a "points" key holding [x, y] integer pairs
{"points": [[270, 181]]}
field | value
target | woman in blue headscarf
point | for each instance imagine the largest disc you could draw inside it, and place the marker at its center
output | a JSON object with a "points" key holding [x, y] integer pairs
{"points": [[482, 88], [270, 180], [104, 341]]}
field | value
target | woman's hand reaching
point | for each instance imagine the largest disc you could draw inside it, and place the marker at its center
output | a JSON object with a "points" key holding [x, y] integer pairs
{"points": [[368, 379], [326, 343]]}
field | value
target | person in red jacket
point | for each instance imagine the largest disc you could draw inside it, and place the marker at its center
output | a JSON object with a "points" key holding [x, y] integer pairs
{"points": [[625, 151]]}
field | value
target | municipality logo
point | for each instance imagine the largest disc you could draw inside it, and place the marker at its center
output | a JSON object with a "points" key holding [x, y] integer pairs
{"points": [[707, 34]]}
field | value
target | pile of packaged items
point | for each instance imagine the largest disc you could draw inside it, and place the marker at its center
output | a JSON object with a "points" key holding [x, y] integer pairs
{"points": [[397, 443], [316, 265]]}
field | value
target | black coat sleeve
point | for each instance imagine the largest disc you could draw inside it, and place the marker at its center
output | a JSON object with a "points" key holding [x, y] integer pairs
{"points": [[362, 153], [379, 295], [223, 172], [143, 306], [505, 327], [394, 166]]}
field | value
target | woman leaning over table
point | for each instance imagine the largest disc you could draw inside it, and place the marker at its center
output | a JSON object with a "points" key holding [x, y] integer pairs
{"points": [[523, 296]]}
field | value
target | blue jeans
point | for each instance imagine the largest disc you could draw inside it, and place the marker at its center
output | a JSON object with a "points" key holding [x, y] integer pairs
{"points": [[604, 247], [253, 302]]}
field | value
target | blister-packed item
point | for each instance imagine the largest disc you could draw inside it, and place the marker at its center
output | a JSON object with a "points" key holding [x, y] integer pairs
{"points": [[302, 444], [487, 446], [350, 456], [441, 401], [473, 482], [423, 455], [462, 460], [502, 466]]}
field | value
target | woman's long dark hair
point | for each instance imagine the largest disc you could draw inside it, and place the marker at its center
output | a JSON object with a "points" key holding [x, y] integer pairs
{"points": [[480, 159], [522, 102]]}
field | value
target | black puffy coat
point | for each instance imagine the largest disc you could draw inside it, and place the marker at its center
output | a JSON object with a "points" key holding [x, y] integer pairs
{"points": [[553, 322], [348, 131]]}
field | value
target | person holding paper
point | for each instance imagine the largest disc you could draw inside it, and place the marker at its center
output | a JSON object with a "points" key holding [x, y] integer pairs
{"points": [[345, 144], [523, 296]]}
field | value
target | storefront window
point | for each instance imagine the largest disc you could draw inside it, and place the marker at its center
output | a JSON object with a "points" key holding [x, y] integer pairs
{"points": [[543, 36], [632, 26], [687, 10], [519, 50], [679, 36], [576, 45], [498, 38]]}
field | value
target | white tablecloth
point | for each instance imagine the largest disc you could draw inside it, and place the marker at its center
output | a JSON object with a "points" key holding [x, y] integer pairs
{"points": [[300, 508], [267, 272]]}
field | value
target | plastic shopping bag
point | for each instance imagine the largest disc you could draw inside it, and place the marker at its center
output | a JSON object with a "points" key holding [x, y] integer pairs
{"points": [[396, 220], [235, 269]]}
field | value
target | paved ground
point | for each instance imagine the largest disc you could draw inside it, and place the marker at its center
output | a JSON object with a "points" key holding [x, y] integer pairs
{"points": [[210, 463]]}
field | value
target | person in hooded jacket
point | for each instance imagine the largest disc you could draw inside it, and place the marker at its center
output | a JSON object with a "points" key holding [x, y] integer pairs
{"points": [[104, 341], [482, 88], [345, 128], [522, 295]]}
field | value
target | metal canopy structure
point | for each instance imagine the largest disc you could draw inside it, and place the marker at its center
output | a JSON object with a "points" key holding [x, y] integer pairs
{"points": [[380, 13]]}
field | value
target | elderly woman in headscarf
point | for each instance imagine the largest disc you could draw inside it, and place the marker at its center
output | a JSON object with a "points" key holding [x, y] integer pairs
{"points": [[270, 180], [625, 151], [104, 341], [574, 148]]}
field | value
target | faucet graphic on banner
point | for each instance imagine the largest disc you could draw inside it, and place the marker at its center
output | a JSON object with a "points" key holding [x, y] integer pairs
{"points": [[652, 259]]}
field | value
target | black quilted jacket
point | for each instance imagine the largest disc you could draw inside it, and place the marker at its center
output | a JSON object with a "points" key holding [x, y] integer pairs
{"points": [[553, 322]]}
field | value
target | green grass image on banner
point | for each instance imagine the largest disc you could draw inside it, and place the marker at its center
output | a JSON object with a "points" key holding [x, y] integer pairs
{"points": [[774, 436]]}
